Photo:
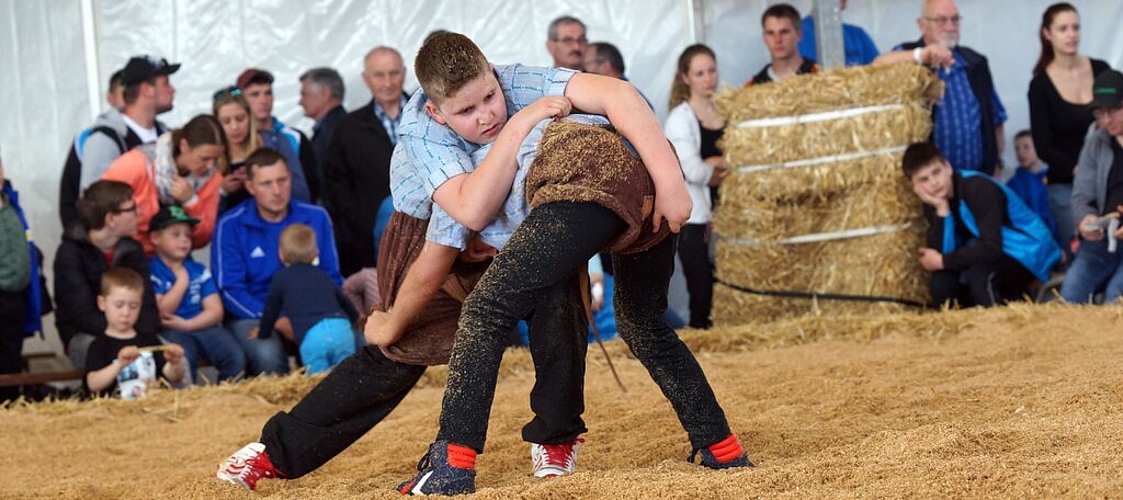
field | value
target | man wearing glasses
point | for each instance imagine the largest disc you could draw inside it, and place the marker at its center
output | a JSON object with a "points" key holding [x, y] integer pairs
{"points": [[1097, 198], [566, 42], [100, 240], [968, 120]]}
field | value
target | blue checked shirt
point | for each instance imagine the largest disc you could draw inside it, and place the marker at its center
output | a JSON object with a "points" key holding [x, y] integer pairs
{"points": [[428, 154], [958, 130], [444, 230], [390, 124]]}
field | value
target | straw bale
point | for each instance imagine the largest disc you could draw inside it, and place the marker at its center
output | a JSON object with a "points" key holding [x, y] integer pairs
{"points": [[769, 205], [831, 90], [881, 265], [871, 131]]}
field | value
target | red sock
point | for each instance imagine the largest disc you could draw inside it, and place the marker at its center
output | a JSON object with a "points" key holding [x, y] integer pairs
{"points": [[727, 449], [463, 457]]}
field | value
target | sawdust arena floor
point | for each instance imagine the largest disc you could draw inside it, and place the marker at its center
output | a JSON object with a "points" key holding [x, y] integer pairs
{"points": [[1018, 402]]}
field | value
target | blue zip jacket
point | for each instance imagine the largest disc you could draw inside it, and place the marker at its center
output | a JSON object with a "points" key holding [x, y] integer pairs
{"points": [[244, 253], [33, 315], [1025, 238]]}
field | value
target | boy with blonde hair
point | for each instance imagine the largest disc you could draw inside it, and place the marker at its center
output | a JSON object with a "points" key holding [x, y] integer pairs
{"points": [[320, 313], [125, 356], [588, 192]]}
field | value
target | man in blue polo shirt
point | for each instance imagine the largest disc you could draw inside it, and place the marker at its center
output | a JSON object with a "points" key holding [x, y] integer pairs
{"points": [[244, 254]]}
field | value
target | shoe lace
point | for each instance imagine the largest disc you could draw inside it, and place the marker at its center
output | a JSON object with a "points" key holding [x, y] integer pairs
{"points": [[424, 462], [559, 454]]}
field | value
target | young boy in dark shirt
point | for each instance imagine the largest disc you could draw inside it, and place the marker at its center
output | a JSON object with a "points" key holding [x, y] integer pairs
{"points": [[124, 355], [320, 313]]}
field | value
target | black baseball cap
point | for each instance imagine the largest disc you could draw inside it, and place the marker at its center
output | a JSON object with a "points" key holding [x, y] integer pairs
{"points": [[1107, 91], [143, 68], [168, 215]]}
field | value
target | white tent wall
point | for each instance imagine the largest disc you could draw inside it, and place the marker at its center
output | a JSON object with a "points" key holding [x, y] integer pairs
{"points": [[46, 90]]}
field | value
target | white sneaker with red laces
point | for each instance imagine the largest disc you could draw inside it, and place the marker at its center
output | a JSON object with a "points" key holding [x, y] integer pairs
{"points": [[246, 466], [552, 460]]}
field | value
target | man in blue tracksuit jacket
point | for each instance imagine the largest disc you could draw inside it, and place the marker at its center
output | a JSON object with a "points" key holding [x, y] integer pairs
{"points": [[244, 254], [985, 247]]}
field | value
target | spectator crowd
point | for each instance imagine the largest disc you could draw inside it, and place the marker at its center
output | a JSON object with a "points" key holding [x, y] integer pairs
{"points": [[288, 217]]}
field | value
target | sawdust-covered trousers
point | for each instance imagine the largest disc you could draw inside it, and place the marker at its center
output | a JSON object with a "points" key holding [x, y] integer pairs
{"points": [[362, 390], [554, 241]]}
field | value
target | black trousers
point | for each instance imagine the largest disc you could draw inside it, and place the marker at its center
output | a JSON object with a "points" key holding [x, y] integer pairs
{"points": [[13, 307], [362, 390], [987, 284], [694, 253], [552, 243]]}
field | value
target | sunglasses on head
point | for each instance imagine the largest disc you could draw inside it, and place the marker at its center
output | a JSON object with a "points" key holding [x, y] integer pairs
{"points": [[228, 91]]}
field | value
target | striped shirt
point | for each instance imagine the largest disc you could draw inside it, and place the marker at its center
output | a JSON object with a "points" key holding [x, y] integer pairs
{"points": [[390, 124]]}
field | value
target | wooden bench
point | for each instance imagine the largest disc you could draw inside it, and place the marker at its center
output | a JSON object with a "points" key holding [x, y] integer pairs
{"points": [[27, 378]]}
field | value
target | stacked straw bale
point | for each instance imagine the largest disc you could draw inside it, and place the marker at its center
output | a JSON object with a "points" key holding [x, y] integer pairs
{"points": [[812, 157]]}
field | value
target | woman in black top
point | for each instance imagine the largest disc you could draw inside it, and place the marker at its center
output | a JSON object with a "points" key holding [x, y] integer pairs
{"points": [[1058, 97]]}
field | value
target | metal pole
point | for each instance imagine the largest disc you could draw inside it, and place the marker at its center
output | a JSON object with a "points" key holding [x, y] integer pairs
{"points": [[828, 34], [93, 69]]}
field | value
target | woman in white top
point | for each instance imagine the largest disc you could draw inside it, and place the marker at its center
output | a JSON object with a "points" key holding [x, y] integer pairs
{"points": [[694, 126]]}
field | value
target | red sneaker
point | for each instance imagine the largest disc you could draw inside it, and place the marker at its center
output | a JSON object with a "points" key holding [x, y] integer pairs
{"points": [[248, 465], [551, 460]]}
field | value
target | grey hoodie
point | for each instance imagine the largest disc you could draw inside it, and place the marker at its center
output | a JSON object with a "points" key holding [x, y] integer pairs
{"points": [[100, 150], [1089, 188]]}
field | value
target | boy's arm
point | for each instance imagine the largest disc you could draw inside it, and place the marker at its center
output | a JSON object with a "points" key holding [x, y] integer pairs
{"points": [[987, 202], [104, 377], [169, 301], [424, 278], [211, 315], [474, 198], [272, 309], [174, 367], [633, 118]]}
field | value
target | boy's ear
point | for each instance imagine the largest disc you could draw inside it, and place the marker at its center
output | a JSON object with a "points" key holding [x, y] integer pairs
{"points": [[434, 112], [101, 302]]}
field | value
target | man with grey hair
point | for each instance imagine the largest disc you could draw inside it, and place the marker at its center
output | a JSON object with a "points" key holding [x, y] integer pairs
{"points": [[967, 122], [321, 96], [565, 40], [357, 165]]}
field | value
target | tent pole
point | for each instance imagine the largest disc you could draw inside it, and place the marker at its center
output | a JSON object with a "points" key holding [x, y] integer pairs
{"points": [[93, 69]]}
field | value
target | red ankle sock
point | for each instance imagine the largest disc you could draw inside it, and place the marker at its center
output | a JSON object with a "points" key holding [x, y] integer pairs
{"points": [[727, 449], [463, 457]]}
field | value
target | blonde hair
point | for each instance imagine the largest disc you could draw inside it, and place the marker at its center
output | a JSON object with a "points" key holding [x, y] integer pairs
{"points": [[446, 63], [680, 91], [298, 244], [253, 140], [121, 277]]}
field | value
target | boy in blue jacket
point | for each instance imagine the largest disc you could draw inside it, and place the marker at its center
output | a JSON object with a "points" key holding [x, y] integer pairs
{"points": [[985, 247]]}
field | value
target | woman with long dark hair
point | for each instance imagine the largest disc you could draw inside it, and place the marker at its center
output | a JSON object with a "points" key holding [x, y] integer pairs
{"points": [[181, 167], [1058, 107], [693, 125]]}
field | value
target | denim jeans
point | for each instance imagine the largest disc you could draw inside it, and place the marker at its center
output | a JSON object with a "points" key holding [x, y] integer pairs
{"points": [[1060, 205], [265, 356], [216, 345], [326, 344], [1094, 269]]}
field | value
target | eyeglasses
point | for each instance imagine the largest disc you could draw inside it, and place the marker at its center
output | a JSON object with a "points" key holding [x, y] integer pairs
{"points": [[944, 20], [571, 41], [228, 91], [1101, 113], [132, 209]]}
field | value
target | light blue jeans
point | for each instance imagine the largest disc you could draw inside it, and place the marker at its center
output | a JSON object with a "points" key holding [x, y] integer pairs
{"points": [[1060, 205], [326, 344], [1094, 269]]}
